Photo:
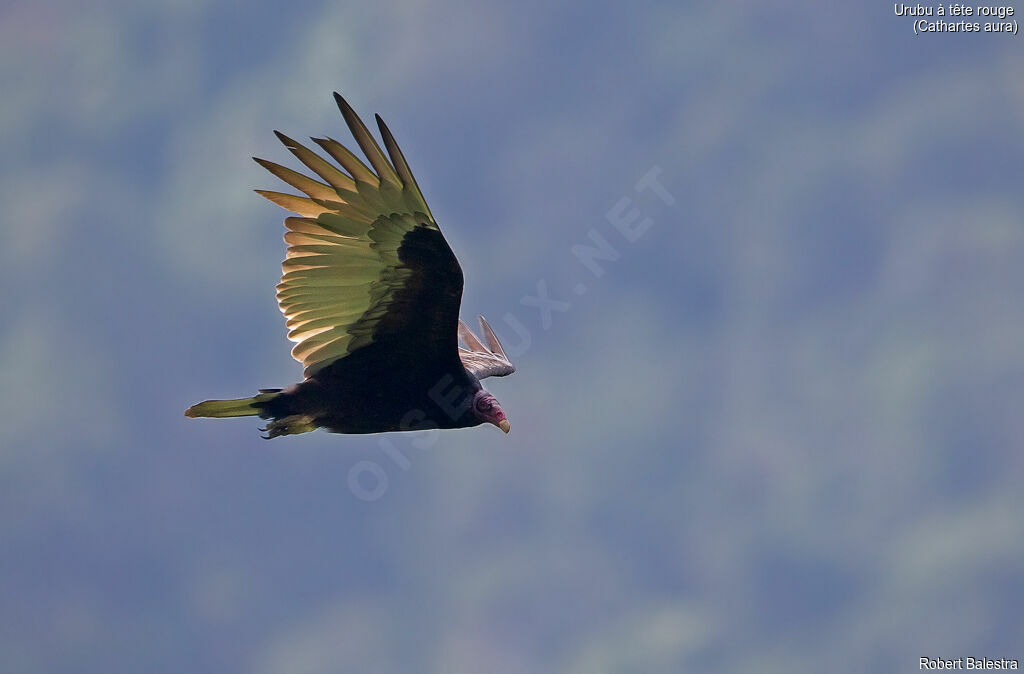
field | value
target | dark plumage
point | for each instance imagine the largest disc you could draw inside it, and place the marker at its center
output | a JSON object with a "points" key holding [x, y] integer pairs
{"points": [[371, 293]]}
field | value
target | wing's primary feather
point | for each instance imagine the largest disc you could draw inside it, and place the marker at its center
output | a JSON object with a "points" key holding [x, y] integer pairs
{"points": [[411, 189], [317, 164], [313, 188], [483, 361], [366, 262], [369, 146]]}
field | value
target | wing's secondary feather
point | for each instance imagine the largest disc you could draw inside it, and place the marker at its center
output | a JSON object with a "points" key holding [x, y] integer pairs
{"points": [[350, 277]]}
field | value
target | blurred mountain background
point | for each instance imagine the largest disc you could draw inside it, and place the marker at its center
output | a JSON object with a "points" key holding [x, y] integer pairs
{"points": [[780, 432]]}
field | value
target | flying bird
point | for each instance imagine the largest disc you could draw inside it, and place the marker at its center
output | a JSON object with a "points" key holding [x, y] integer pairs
{"points": [[370, 292]]}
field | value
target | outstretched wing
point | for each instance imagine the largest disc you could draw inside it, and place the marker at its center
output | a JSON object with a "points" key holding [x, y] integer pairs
{"points": [[366, 263], [483, 361]]}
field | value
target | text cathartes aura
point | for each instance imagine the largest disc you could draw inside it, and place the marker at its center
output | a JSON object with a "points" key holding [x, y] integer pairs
{"points": [[371, 293]]}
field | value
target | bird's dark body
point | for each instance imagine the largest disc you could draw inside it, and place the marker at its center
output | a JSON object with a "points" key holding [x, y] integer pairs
{"points": [[410, 377], [352, 396]]}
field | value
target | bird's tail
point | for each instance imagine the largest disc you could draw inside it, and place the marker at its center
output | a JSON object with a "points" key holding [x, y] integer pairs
{"points": [[242, 407]]}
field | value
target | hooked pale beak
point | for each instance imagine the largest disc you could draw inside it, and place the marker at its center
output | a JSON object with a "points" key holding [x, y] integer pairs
{"points": [[505, 425]]}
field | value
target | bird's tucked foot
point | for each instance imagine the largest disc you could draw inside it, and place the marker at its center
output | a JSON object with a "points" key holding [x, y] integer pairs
{"points": [[290, 425]]}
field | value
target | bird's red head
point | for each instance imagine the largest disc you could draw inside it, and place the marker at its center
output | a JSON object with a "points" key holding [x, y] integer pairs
{"points": [[486, 408]]}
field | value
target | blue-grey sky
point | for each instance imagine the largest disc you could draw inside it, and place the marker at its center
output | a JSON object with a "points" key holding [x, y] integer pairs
{"points": [[779, 432]]}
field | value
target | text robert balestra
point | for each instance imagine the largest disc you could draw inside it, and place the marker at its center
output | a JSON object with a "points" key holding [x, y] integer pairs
{"points": [[934, 664]]}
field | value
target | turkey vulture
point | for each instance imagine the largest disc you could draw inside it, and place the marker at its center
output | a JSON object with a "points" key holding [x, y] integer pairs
{"points": [[371, 293]]}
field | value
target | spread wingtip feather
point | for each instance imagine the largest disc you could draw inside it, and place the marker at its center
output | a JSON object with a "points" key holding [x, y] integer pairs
{"points": [[366, 142], [481, 360]]}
